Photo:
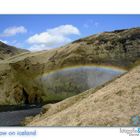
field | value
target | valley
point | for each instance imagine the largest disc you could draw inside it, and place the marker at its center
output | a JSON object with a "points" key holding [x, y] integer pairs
{"points": [[92, 81]]}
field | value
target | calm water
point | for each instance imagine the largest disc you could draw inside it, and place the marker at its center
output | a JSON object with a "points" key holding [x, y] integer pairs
{"points": [[14, 115]]}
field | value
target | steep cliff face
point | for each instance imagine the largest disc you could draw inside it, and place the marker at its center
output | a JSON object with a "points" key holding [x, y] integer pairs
{"points": [[119, 48], [114, 104]]}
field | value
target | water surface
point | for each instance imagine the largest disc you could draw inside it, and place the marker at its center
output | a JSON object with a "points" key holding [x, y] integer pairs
{"points": [[12, 115]]}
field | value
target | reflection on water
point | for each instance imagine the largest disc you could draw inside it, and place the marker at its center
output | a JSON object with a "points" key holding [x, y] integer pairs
{"points": [[70, 81]]}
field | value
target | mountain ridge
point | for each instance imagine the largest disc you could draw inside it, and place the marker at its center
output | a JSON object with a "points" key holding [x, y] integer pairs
{"points": [[7, 51]]}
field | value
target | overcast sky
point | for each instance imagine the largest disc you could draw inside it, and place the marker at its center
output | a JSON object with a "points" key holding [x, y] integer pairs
{"points": [[43, 32]]}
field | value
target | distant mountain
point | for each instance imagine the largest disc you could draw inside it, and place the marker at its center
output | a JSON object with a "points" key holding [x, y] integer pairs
{"points": [[7, 51]]}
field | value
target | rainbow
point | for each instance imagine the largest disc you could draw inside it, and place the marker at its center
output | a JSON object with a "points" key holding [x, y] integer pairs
{"points": [[104, 67]]}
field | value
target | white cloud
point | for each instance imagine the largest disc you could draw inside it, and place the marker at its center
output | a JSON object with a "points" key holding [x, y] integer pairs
{"points": [[90, 24], [11, 31], [39, 47], [52, 37]]}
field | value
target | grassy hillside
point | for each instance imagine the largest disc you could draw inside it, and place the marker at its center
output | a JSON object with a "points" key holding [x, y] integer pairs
{"points": [[113, 104], [119, 48]]}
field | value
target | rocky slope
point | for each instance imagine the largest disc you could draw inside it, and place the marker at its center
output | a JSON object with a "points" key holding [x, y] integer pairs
{"points": [[113, 104], [7, 51], [20, 75], [8, 84]]}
